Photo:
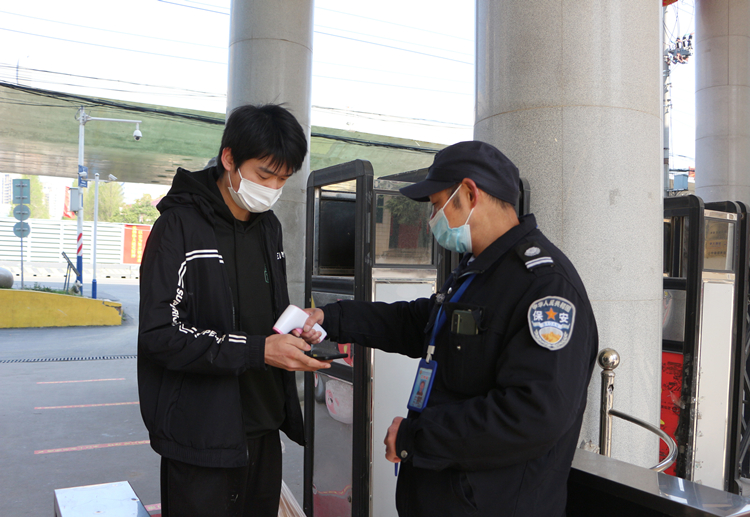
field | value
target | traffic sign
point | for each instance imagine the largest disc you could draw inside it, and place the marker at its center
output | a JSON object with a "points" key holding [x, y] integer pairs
{"points": [[21, 191], [21, 229], [21, 212]]}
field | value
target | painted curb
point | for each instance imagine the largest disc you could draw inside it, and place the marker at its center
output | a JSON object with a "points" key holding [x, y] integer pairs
{"points": [[23, 309]]}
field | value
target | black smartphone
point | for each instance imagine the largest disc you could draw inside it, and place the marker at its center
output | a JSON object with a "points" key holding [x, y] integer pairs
{"points": [[324, 355]]}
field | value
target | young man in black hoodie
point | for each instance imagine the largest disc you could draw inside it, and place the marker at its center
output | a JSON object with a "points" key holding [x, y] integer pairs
{"points": [[215, 383]]}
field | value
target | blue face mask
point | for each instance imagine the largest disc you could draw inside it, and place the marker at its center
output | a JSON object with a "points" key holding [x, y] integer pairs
{"points": [[453, 239]]}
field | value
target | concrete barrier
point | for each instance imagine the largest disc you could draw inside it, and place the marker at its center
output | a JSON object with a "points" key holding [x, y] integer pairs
{"points": [[6, 278], [21, 308]]}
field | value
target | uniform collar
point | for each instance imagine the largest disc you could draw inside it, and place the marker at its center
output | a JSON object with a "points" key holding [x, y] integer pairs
{"points": [[497, 249]]}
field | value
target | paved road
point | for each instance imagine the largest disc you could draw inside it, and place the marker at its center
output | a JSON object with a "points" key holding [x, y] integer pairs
{"points": [[69, 418]]}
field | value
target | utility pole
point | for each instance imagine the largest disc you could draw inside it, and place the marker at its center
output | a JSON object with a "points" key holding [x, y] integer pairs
{"points": [[674, 53], [83, 118]]}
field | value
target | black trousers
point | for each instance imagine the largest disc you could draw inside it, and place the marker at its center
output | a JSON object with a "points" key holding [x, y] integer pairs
{"points": [[251, 491]]}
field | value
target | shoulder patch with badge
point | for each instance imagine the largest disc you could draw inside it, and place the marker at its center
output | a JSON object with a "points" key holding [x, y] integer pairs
{"points": [[551, 321], [533, 255]]}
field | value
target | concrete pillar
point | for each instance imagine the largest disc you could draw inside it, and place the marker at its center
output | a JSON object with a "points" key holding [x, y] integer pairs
{"points": [[571, 92], [270, 60], [722, 100]]}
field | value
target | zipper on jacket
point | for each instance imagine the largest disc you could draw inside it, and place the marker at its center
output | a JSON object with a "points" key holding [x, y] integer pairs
{"points": [[236, 276]]}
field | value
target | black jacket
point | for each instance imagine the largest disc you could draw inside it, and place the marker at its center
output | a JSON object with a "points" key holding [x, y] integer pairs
{"points": [[189, 356], [500, 428]]}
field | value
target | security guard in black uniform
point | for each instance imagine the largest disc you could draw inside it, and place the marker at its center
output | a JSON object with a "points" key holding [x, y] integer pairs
{"points": [[507, 348]]}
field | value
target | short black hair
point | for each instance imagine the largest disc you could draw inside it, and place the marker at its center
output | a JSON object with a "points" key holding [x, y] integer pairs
{"points": [[263, 131], [499, 202]]}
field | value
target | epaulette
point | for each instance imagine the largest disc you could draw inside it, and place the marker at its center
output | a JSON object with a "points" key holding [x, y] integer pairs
{"points": [[533, 255]]}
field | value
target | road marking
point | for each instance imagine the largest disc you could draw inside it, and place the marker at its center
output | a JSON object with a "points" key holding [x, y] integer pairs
{"points": [[89, 447], [88, 405], [89, 380]]}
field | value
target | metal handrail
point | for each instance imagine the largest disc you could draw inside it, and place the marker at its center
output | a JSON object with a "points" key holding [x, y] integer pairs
{"points": [[609, 359], [671, 456]]}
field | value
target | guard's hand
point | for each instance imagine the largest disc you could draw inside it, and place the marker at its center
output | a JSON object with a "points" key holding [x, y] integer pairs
{"points": [[390, 441], [312, 336], [309, 334], [287, 352]]}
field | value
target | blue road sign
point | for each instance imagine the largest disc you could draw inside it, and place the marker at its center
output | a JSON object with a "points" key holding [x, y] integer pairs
{"points": [[21, 229], [21, 191], [21, 212]]}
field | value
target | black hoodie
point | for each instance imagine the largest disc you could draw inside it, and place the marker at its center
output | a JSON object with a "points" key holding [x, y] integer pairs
{"points": [[192, 350]]}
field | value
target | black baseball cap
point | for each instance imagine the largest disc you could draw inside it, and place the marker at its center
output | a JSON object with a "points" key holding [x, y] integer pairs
{"points": [[490, 169]]}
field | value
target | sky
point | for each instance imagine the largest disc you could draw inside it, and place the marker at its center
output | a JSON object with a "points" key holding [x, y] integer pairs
{"points": [[680, 21], [412, 60], [405, 69]]}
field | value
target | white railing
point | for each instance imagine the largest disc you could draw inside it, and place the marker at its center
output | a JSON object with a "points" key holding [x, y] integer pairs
{"points": [[49, 238]]}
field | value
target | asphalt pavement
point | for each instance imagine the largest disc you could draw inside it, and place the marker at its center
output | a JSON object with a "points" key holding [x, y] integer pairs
{"points": [[69, 413]]}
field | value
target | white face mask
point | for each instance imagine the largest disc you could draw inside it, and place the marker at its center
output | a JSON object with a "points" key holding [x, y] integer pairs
{"points": [[253, 197]]}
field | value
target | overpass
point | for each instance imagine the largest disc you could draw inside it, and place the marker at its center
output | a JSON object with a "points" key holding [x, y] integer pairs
{"points": [[39, 135]]}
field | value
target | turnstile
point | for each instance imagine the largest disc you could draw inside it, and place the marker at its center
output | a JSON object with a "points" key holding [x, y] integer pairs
{"points": [[367, 242], [704, 329]]}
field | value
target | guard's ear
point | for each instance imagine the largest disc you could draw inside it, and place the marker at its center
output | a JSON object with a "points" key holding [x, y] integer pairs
{"points": [[472, 191]]}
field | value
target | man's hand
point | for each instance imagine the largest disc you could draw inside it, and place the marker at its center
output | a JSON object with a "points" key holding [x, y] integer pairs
{"points": [[391, 454], [309, 334], [287, 352]]}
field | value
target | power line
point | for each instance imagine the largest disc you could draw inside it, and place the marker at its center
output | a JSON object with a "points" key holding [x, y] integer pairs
{"points": [[197, 92], [392, 23], [219, 95], [371, 35], [394, 48], [108, 31], [392, 39], [114, 48], [381, 116], [120, 90], [192, 7], [217, 47], [420, 76], [390, 85], [338, 12], [224, 62]]}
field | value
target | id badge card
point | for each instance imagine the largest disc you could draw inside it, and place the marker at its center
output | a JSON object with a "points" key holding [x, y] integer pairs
{"points": [[420, 392]]}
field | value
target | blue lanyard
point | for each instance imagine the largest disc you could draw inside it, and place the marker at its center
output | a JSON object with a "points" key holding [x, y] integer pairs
{"points": [[441, 317]]}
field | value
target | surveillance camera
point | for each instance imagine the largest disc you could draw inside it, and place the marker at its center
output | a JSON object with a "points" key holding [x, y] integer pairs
{"points": [[137, 134], [112, 178]]}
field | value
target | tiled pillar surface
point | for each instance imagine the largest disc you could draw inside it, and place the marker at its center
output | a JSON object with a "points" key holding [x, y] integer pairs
{"points": [[571, 91], [270, 60], [722, 100]]}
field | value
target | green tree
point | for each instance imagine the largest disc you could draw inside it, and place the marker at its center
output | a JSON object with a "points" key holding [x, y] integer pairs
{"points": [[110, 201], [140, 212], [407, 211], [37, 201]]}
